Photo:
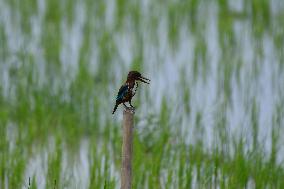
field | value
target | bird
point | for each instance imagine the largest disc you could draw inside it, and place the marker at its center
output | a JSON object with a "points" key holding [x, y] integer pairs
{"points": [[127, 91]]}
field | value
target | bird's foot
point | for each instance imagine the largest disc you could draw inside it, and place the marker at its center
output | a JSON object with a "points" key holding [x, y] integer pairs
{"points": [[130, 109], [125, 106]]}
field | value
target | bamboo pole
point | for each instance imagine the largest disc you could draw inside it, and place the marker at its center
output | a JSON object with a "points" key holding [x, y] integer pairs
{"points": [[126, 167]]}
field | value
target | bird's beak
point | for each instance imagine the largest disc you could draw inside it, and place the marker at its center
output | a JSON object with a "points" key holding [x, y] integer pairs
{"points": [[144, 80]]}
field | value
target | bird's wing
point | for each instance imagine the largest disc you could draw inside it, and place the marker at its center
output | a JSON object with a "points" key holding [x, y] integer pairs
{"points": [[122, 92]]}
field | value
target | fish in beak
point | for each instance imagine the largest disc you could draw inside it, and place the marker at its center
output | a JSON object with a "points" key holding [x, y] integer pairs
{"points": [[144, 79]]}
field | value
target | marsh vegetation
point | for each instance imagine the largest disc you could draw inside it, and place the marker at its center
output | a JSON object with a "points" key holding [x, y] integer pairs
{"points": [[211, 118]]}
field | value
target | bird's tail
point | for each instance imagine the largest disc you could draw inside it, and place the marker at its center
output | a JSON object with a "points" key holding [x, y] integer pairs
{"points": [[114, 109]]}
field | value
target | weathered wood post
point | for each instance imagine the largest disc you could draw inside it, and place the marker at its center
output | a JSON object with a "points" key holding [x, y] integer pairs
{"points": [[126, 166]]}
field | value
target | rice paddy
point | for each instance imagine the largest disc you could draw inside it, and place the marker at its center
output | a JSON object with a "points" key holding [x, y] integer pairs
{"points": [[212, 116]]}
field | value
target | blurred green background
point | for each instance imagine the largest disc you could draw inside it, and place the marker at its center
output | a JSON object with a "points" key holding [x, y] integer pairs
{"points": [[212, 116]]}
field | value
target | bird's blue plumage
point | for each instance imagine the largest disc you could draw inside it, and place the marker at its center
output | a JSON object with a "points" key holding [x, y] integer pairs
{"points": [[122, 92]]}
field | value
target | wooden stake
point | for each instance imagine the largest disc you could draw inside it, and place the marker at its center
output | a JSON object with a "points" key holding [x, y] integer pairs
{"points": [[126, 167]]}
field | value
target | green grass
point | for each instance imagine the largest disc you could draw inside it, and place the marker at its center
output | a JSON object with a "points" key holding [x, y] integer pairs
{"points": [[49, 108]]}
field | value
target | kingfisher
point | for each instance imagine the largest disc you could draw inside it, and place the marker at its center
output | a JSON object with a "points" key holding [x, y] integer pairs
{"points": [[127, 91]]}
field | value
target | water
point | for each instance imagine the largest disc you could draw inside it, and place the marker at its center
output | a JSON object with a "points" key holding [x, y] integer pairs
{"points": [[253, 67]]}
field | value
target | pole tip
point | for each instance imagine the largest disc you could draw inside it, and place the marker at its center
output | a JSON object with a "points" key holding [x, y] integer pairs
{"points": [[129, 110]]}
